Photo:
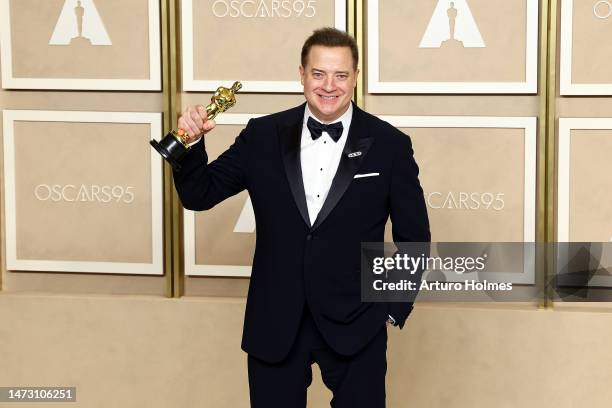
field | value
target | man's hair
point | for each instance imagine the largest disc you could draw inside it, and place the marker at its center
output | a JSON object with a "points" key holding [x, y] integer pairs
{"points": [[330, 37]]}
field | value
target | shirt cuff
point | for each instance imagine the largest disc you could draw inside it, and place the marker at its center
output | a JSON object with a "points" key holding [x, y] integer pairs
{"points": [[392, 320], [192, 143]]}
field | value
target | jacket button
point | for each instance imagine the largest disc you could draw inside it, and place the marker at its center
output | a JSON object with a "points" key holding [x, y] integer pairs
{"points": [[308, 237]]}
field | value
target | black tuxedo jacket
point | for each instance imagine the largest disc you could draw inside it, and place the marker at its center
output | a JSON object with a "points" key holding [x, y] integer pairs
{"points": [[296, 263]]}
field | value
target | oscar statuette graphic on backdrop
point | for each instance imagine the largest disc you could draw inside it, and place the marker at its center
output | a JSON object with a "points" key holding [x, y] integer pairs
{"points": [[174, 146]]}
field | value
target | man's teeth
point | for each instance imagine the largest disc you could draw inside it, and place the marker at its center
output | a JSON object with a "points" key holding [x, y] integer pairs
{"points": [[328, 97]]}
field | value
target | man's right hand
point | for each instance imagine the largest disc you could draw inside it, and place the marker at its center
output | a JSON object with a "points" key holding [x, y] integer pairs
{"points": [[194, 121]]}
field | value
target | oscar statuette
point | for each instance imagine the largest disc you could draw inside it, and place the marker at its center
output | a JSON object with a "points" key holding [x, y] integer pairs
{"points": [[174, 146]]}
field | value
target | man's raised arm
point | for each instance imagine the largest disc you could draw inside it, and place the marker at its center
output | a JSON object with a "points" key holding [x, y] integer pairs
{"points": [[202, 185]]}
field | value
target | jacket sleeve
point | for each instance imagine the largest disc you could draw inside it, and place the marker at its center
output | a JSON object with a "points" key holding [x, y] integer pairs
{"points": [[202, 185], [408, 212]]}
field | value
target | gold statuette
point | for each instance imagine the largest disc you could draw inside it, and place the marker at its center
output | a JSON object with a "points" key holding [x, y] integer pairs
{"points": [[174, 145]]}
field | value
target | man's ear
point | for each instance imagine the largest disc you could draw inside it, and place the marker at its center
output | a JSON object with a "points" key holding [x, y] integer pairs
{"points": [[302, 74]]}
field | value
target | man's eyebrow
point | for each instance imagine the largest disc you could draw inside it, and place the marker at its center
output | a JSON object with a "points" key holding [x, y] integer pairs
{"points": [[336, 72]]}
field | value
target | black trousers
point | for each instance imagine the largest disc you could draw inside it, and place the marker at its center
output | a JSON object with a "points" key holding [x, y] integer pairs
{"points": [[357, 381]]}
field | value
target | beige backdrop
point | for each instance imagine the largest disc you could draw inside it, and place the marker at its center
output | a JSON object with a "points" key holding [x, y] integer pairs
{"points": [[590, 192], [502, 25], [591, 47], [472, 160], [126, 22], [90, 154], [256, 49], [446, 356]]}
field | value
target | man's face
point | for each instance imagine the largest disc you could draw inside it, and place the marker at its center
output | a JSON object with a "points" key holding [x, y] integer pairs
{"points": [[329, 79]]}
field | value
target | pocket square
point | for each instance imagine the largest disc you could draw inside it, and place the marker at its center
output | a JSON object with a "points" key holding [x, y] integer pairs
{"points": [[366, 175]]}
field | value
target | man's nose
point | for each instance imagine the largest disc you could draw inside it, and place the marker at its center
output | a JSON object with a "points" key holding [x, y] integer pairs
{"points": [[329, 84]]}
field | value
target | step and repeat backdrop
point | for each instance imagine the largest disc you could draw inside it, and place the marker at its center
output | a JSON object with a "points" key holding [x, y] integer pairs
{"points": [[81, 189], [81, 97]]}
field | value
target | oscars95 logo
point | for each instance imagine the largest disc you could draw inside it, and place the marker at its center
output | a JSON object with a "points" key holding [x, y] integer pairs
{"points": [[84, 193], [264, 8], [463, 200]]}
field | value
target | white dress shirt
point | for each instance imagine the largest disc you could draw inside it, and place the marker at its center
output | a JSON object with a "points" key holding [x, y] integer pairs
{"points": [[319, 160]]}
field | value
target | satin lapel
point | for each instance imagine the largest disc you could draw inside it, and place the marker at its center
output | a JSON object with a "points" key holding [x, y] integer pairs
{"points": [[357, 145], [290, 134]]}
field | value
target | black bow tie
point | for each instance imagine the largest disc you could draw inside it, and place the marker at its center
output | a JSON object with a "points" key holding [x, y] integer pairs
{"points": [[316, 129]]}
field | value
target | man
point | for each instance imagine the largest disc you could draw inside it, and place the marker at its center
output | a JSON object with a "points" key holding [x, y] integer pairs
{"points": [[323, 177]]}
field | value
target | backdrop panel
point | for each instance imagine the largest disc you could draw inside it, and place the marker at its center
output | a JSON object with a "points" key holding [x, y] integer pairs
{"points": [[478, 175], [583, 210], [584, 183], [82, 192], [586, 65], [87, 44], [446, 46]]}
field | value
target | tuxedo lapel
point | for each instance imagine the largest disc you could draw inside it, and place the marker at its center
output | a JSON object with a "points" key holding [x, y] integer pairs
{"points": [[290, 134], [355, 149]]}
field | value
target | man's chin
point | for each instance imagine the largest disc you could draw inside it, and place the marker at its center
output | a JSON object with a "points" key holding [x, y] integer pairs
{"points": [[328, 113]]}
